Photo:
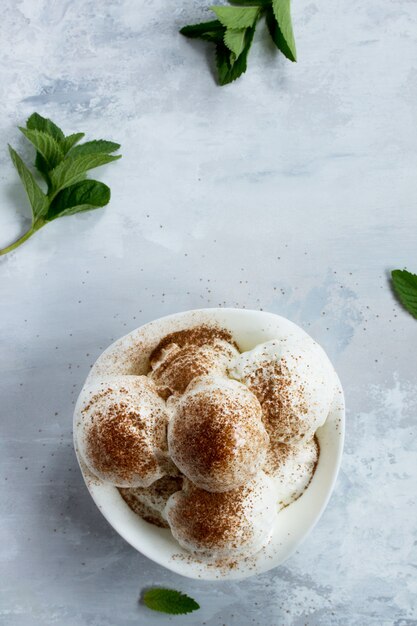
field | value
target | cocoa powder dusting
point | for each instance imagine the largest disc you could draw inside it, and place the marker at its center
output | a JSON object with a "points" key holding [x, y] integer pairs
{"points": [[179, 366], [211, 520], [278, 454], [197, 336], [206, 430], [272, 385], [99, 396], [117, 441]]}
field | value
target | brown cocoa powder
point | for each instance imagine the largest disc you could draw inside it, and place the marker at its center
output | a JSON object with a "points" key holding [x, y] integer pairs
{"points": [[196, 335], [117, 441], [212, 520], [207, 427]]}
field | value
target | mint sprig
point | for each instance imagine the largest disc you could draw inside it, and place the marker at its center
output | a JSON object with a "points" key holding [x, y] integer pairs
{"points": [[169, 601], [233, 32], [405, 285], [63, 165], [278, 20]]}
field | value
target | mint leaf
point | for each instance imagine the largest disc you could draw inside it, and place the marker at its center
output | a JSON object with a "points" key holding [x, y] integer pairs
{"points": [[94, 147], [236, 17], [229, 67], [169, 601], [405, 285], [209, 31], [42, 124], [38, 200], [251, 3], [235, 40], [42, 166], [47, 147], [37, 122], [281, 29], [83, 196], [71, 140], [233, 33], [69, 191], [72, 170]]}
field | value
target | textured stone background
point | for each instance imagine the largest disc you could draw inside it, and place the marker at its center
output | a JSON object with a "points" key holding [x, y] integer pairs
{"points": [[293, 191]]}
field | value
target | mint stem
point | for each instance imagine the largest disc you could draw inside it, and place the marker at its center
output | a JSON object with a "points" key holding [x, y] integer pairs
{"points": [[19, 241]]}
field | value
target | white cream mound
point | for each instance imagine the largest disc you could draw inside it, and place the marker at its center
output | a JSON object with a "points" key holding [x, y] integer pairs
{"points": [[294, 382], [224, 525], [215, 435], [121, 431], [177, 366], [291, 467]]}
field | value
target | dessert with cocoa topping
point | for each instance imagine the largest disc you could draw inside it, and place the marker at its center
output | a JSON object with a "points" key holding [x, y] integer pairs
{"points": [[215, 435], [224, 524], [121, 431], [211, 442]]}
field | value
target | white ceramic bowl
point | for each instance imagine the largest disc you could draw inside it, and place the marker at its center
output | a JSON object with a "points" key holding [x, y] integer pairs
{"points": [[129, 355]]}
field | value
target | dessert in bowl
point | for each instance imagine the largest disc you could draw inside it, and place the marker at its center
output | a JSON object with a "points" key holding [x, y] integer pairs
{"points": [[211, 439]]}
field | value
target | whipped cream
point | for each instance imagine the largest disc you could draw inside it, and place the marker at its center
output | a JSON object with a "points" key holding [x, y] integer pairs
{"points": [[176, 366], [215, 434], [150, 502], [121, 431], [223, 525], [294, 382], [291, 467]]}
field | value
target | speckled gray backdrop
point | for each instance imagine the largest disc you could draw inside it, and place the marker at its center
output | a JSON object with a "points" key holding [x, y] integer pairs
{"points": [[294, 191]]}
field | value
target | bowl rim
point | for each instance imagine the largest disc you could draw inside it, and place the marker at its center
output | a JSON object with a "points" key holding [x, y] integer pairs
{"points": [[102, 492]]}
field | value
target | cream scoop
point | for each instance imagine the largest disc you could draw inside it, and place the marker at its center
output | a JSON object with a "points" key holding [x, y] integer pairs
{"points": [[223, 525], [291, 467], [294, 382], [176, 367], [215, 434], [121, 431]]}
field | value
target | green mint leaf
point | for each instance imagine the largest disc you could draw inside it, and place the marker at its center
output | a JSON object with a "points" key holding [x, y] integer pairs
{"points": [[72, 170], [169, 601], [235, 40], [250, 3], [38, 200], [68, 190], [229, 67], [71, 140], [281, 29], [236, 17], [209, 31], [37, 122], [42, 166], [46, 146], [83, 196], [233, 33], [405, 285], [99, 146]]}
